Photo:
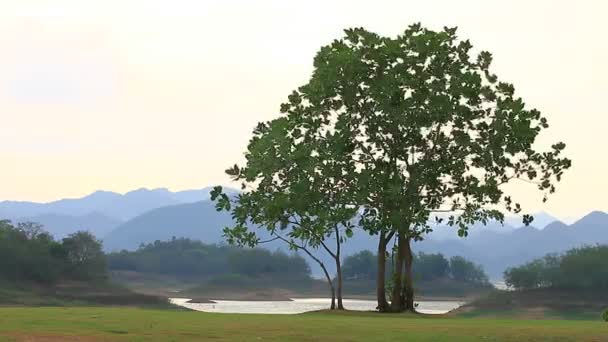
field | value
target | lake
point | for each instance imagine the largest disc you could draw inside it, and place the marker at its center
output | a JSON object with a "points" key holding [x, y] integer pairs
{"points": [[300, 305]]}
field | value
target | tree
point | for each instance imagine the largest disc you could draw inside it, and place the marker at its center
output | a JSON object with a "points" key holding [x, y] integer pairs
{"points": [[29, 254], [361, 265], [31, 229], [299, 182], [424, 128], [85, 255], [431, 266], [463, 270], [292, 192], [256, 262], [579, 268]]}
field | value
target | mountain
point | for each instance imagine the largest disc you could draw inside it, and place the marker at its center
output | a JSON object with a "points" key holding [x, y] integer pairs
{"points": [[197, 220], [111, 204], [124, 221], [99, 212], [498, 252], [494, 246], [62, 225], [541, 219]]}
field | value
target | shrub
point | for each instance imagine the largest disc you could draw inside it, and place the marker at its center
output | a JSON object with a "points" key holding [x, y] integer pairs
{"points": [[605, 315]]}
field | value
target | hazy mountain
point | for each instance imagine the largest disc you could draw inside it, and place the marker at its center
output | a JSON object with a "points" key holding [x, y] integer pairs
{"points": [[62, 225], [541, 220], [111, 204], [197, 220], [160, 214], [494, 246], [496, 252]]}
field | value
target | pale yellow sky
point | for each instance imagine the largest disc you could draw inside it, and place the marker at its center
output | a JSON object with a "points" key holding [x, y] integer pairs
{"points": [[118, 95]]}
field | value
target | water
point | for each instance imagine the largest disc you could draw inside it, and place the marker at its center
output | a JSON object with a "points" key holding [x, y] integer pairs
{"points": [[300, 305]]}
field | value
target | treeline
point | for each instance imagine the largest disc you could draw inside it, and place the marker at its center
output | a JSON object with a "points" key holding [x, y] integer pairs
{"points": [[580, 268], [30, 254], [426, 267], [188, 258]]}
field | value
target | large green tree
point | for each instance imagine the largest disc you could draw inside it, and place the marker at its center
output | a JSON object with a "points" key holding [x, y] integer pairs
{"points": [[398, 132], [426, 128]]}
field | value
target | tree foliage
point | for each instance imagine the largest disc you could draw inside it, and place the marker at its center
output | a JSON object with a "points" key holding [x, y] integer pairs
{"points": [[578, 268], [427, 267], [361, 265], [185, 258], [85, 255], [465, 270], [428, 126], [394, 131], [29, 254]]}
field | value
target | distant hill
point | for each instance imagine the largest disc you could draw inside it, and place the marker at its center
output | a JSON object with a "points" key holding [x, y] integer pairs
{"points": [[142, 216], [111, 204], [496, 251], [197, 220], [62, 225], [541, 220], [99, 212], [494, 246]]}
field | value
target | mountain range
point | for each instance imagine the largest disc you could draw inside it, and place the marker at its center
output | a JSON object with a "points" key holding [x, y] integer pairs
{"points": [[497, 250], [112, 204], [100, 212], [124, 221]]}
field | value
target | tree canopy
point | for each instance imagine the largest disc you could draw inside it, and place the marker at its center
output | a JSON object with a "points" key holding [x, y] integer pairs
{"points": [[578, 268], [392, 133], [426, 267], [185, 258], [29, 254]]}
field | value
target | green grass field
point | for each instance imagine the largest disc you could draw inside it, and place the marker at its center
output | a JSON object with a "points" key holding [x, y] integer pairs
{"points": [[131, 324]]}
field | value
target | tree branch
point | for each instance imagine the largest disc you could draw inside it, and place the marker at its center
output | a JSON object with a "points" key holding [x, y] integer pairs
{"points": [[269, 240]]}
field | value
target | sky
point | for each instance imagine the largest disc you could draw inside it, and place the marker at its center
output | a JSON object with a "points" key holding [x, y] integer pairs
{"points": [[119, 95]]}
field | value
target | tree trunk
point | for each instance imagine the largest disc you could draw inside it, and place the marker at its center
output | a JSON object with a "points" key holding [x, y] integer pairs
{"points": [[381, 274], [409, 281], [327, 276], [339, 268], [333, 298], [397, 303], [331, 285], [339, 286]]}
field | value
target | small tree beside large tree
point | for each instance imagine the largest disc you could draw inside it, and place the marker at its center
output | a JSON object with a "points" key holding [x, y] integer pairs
{"points": [[297, 186]]}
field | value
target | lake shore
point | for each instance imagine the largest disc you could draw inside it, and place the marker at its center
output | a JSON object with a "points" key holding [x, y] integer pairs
{"points": [[301, 305], [544, 303]]}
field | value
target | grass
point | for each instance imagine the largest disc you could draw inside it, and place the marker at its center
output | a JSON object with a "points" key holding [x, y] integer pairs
{"points": [[76, 294], [131, 324]]}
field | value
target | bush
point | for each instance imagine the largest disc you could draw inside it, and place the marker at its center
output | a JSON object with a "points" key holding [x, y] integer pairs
{"points": [[29, 254], [580, 268], [605, 315], [186, 258]]}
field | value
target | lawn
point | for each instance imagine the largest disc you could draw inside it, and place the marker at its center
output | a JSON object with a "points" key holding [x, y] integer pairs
{"points": [[131, 324]]}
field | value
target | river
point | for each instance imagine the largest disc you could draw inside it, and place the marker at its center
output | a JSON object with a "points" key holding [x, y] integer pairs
{"points": [[300, 305]]}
